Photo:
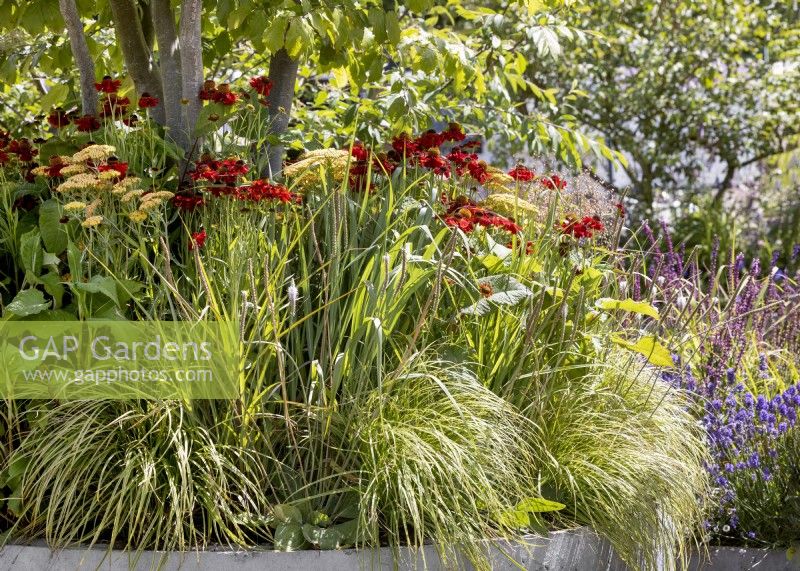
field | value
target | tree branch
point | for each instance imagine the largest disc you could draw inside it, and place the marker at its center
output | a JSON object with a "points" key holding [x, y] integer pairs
{"points": [[283, 74], [170, 66], [191, 58], [137, 55], [80, 52]]}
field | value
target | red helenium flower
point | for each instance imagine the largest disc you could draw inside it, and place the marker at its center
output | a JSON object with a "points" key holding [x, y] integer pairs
{"points": [[87, 123], [108, 85], [522, 173], [553, 182], [187, 202], [262, 85], [58, 118], [198, 239], [147, 100]]}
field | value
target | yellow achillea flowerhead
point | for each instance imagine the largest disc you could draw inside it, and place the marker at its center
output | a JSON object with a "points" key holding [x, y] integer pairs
{"points": [[131, 194], [122, 186], [108, 175], [498, 180], [71, 170], [137, 216], [160, 195], [94, 153], [74, 206], [77, 182], [149, 204], [92, 221], [93, 206], [306, 170], [40, 171], [511, 205]]}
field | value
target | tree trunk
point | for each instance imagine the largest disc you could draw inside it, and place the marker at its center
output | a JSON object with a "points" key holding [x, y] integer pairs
{"points": [[137, 55], [283, 73], [80, 51], [191, 58], [145, 8], [170, 66]]}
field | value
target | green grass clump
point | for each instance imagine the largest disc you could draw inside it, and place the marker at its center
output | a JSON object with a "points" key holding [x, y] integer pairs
{"points": [[626, 457], [138, 475], [442, 458]]}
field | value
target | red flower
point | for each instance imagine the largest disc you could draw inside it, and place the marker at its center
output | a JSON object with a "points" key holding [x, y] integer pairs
{"points": [[259, 190], [198, 239], [58, 118], [478, 170], [56, 164], [224, 97], [465, 214], [262, 85], [4, 158], [553, 182], [454, 132], [186, 202], [359, 152], [586, 227], [430, 140], [437, 163], [87, 123], [114, 165], [404, 146], [522, 173], [131, 120], [23, 149], [108, 85], [147, 100], [620, 209]]}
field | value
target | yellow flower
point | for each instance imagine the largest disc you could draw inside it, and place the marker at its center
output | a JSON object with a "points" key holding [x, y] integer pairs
{"points": [[149, 204], [498, 180], [74, 206], [92, 221], [510, 205], [137, 216], [131, 194], [40, 171], [93, 206], [71, 170], [77, 182], [161, 195], [125, 184], [108, 175], [94, 153]]}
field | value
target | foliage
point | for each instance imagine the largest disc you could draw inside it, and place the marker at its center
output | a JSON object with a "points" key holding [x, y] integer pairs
{"points": [[684, 88]]}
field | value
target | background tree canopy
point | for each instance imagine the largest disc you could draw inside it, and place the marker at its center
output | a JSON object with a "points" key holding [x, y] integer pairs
{"points": [[392, 65], [686, 89]]}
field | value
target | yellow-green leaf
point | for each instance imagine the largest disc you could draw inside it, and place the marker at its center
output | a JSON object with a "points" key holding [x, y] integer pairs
{"points": [[641, 307], [648, 346]]}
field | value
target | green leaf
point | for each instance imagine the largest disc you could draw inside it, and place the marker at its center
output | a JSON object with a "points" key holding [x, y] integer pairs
{"points": [[285, 513], [648, 346], [28, 302], [54, 234], [100, 284], [31, 253], [641, 307], [289, 537], [539, 505]]}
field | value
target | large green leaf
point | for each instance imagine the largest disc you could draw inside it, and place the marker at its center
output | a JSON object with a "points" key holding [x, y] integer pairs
{"points": [[54, 234], [28, 302], [289, 537], [31, 253]]}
